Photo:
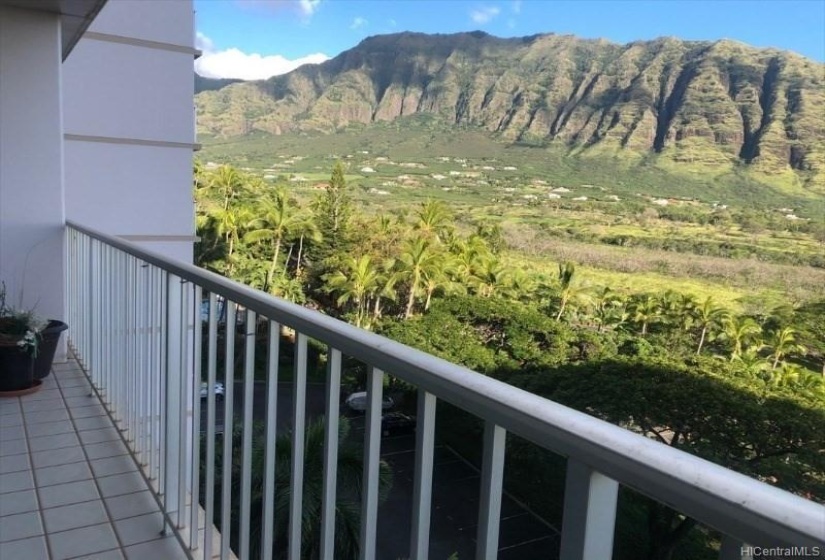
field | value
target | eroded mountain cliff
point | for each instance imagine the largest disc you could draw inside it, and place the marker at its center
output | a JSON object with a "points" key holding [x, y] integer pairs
{"points": [[711, 104]]}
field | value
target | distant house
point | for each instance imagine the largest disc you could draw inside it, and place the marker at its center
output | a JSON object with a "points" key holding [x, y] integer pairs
{"points": [[367, 170], [561, 190], [580, 198]]}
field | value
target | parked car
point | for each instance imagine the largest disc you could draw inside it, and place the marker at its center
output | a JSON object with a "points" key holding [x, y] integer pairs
{"points": [[396, 424], [358, 402], [220, 391]]}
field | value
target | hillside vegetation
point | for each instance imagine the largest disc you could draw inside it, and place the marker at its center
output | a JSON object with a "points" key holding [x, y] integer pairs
{"points": [[682, 105]]}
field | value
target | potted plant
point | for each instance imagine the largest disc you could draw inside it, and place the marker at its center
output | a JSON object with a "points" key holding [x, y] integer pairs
{"points": [[27, 348]]}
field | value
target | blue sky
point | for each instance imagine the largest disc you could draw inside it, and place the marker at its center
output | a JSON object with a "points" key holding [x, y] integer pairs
{"points": [[255, 39]]}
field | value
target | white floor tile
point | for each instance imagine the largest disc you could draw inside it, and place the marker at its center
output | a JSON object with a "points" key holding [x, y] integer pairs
{"points": [[75, 515], [86, 540], [30, 549]]}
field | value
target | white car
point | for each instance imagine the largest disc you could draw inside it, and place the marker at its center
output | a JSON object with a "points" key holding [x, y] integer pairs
{"points": [[219, 390], [358, 402]]}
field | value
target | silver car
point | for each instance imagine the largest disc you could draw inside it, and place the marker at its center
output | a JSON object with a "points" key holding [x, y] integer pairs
{"points": [[219, 390], [358, 402]]}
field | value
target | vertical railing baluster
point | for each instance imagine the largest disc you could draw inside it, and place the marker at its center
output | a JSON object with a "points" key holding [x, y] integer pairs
{"points": [[131, 353], [172, 443], [211, 369], [184, 447], [194, 493], [120, 346], [143, 367], [296, 497], [163, 389], [372, 458], [228, 420], [423, 482], [492, 476], [91, 345], [152, 305], [246, 452], [333, 397], [589, 513], [273, 355], [110, 332]]}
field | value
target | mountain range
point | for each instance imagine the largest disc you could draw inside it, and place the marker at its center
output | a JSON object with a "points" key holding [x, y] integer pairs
{"points": [[719, 105]]}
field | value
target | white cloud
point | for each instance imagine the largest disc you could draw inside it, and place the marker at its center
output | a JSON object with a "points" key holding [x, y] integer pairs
{"points": [[203, 43], [511, 23], [485, 14], [393, 23], [516, 6], [234, 63], [309, 7], [358, 22]]}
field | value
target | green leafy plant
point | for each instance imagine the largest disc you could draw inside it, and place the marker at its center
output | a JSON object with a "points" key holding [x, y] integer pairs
{"points": [[19, 328]]}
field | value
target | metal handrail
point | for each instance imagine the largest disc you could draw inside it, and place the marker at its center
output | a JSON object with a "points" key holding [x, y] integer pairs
{"points": [[736, 505]]}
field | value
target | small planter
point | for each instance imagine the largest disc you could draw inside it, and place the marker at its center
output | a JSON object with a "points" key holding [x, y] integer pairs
{"points": [[49, 338]]}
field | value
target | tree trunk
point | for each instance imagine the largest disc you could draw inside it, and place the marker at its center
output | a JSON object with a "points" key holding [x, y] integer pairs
{"points": [[376, 310], [561, 309], [288, 258], [411, 298], [300, 251], [274, 264], [701, 340]]}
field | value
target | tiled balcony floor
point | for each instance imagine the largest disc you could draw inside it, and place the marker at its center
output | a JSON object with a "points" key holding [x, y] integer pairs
{"points": [[68, 486]]}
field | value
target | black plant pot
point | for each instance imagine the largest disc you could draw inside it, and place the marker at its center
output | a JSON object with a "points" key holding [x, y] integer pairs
{"points": [[16, 369], [47, 347]]}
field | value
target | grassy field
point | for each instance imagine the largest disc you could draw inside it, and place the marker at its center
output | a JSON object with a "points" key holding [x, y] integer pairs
{"points": [[629, 223]]}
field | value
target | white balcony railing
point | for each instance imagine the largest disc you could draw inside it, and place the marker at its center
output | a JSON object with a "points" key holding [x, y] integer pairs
{"points": [[133, 316]]}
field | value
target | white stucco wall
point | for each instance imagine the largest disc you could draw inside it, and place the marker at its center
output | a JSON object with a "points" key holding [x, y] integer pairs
{"points": [[31, 161], [129, 125]]}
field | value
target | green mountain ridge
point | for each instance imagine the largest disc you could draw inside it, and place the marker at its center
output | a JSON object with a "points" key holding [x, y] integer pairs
{"points": [[687, 105]]}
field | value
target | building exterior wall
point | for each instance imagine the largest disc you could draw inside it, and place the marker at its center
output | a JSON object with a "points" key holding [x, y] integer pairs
{"points": [[31, 162], [129, 125]]}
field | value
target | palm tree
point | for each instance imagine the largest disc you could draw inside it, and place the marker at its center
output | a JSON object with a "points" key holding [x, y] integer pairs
{"points": [[277, 217], [708, 316], [678, 309], [645, 310], [417, 261], [740, 331], [228, 223], [489, 276], [433, 219], [607, 306], [567, 291], [566, 272], [226, 184], [783, 341], [359, 279]]}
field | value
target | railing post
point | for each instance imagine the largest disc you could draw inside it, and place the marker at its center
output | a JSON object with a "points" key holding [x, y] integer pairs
{"points": [[211, 375], [492, 479], [423, 483], [589, 514], [172, 443], [251, 324], [271, 435], [372, 460], [333, 395], [296, 483]]}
